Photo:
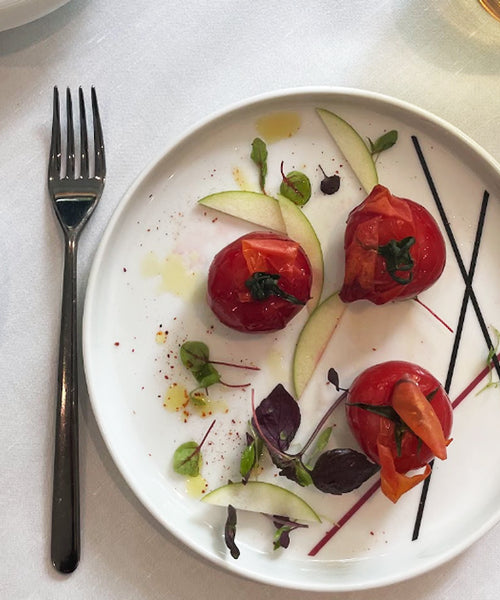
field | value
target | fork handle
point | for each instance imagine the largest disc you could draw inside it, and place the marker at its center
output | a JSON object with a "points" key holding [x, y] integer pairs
{"points": [[65, 541]]}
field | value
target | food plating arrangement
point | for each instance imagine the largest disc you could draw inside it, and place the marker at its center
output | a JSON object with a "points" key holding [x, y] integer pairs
{"points": [[302, 323]]}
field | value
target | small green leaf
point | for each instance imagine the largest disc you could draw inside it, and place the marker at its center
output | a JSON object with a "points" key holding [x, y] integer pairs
{"points": [[382, 411], [399, 430], [302, 473], [281, 534], [296, 187], [259, 157], [248, 458], [384, 142], [198, 398], [489, 363], [194, 355], [321, 442], [187, 459], [206, 375]]}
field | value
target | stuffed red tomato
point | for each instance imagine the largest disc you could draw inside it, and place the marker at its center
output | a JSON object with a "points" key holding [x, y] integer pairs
{"points": [[393, 249], [402, 418], [259, 282]]}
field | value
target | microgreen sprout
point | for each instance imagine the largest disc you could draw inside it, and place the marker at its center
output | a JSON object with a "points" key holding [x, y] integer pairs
{"points": [[259, 157], [489, 363], [384, 142], [295, 186], [284, 526], [195, 356], [187, 457]]}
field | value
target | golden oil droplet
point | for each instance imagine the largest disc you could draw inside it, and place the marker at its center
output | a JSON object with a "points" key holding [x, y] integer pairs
{"points": [[150, 265], [161, 337], [275, 362], [176, 398], [278, 126], [209, 407], [195, 486], [175, 275], [240, 179]]}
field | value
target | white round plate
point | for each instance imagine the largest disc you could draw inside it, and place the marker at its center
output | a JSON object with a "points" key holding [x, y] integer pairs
{"points": [[146, 295], [14, 13]]}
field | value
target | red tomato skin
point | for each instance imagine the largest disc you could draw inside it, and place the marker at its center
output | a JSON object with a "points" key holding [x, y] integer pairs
{"points": [[375, 386], [226, 286], [380, 218]]}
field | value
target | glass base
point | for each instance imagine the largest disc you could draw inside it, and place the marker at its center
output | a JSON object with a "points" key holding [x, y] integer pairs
{"points": [[492, 6]]}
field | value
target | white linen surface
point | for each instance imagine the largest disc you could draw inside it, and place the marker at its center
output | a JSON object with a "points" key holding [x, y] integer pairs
{"points": [[159, 67]]}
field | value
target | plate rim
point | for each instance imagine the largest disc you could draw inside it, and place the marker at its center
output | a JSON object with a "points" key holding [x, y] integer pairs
{"points": [[330, 93], [22, 12]]}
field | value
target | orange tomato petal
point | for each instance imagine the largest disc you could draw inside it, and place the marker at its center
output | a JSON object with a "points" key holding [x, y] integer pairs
{"points": [[395, 484], [267, 255], [417, 412]]}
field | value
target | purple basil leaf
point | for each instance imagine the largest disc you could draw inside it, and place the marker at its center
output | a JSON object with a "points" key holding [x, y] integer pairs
{"points": [[230, 532], [278, 417], [333, 378], [342, 470]]}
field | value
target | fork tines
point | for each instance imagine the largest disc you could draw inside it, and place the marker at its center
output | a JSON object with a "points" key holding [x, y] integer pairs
{"points": [[70, 164]]}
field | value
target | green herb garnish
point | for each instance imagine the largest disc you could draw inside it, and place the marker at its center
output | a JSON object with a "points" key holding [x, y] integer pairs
{"points": [[187, 457], [384, 142], [295, 186], [259, 157], [195, 356], [489, 362]]}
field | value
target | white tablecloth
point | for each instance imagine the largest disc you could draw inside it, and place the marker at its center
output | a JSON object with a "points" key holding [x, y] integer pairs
{"points": [[159, 67]]}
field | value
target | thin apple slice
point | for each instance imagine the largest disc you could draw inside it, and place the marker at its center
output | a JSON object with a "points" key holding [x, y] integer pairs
{"points": [[299, 228], [254, 207], [262, 497], [353, 147], [313, 340]]}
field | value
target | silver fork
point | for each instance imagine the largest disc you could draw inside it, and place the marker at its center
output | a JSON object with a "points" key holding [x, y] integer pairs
{"points": [[74, 197]]}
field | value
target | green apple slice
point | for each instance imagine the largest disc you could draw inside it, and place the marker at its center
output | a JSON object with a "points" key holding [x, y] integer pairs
{"points": [[353, 147], [299, 228], [313, 340], [254, 207], [262, 497]]}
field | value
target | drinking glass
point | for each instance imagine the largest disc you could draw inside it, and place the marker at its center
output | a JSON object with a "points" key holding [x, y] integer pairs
{"points": [[492, 6]]}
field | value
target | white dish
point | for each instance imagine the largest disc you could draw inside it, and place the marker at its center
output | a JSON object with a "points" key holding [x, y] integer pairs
{"points": [[129, 372], [14, 13]]}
